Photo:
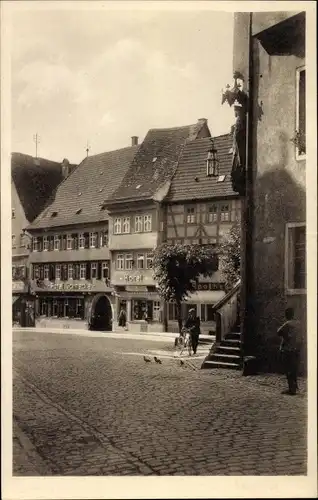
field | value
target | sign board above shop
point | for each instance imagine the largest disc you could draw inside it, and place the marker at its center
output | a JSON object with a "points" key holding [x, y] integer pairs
{"points": [[136, 288], [210, 286]]}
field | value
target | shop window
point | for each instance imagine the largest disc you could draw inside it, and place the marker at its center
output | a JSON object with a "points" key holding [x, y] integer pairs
{"points": [[80, 308], [83, 271], [70, 271], [156, 310], [142, 309], [57, 242], [81, 241], [45, 243], [105, 270], [129, 261], [46, 271], [69, 242], [172, 311], [138, 224], [55, 308], [300, 138], [147, 223], [202, 312], [93, 270], [225, 213], [117, 226], [149, 260], [140, 261], [126, 225], [212, 213], [43, 307], [190, 211], [209, 312], [58, 271], [295, 258]]}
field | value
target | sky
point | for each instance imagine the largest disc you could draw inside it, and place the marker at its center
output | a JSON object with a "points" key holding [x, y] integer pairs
{"points": [[104, 76]]}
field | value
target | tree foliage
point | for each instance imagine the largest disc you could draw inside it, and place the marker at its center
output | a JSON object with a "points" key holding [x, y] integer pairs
{"points": [[230, 256], [177, 268]]}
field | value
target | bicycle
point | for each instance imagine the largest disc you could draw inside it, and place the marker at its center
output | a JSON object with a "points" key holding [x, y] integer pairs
{"points": [[185, 341]]}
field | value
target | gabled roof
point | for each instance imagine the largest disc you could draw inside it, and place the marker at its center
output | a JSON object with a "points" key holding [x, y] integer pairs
{"points": [[35, 180], [155, 163], [79, 198], [191, 182]]}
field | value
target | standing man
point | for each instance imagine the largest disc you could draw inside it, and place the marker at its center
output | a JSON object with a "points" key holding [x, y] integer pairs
{"points": [[193, 325], [290, 347]]}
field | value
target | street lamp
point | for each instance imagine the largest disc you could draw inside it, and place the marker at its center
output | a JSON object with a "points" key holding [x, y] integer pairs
{"points": [[212, 163]]}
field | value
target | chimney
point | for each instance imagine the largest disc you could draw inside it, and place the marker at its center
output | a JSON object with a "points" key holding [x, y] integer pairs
{"points": [[202, 121], [134, 140], [65, 168]]}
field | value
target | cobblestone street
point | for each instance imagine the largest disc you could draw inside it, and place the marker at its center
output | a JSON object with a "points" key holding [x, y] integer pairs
{"points": [[93, 406]]}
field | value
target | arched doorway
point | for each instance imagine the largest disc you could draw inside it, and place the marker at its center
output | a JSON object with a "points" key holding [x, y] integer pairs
{"points": [[101, 314]]}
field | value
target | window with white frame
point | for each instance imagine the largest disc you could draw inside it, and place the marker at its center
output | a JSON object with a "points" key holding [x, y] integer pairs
{"points": [[295, 258], [300, 136], [105, 270], [14, 269], [225, 213], [149, 260], [58, 271], [81, 241], [140, 261], [56, 242], [156, 310], [92, 240], [35, 244], [83, 271], [129, 261], [120, 261], [147, 223], [45, 243], [190, 215], [46, 271], [117, 225], [126, 225], [36, 272], [138, 224], [212, 213], [69, 242], [94, 270], [172, 311], [70, 271]]}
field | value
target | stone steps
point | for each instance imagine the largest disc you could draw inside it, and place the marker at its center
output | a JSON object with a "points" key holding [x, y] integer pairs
{"points": [[227, 354]]}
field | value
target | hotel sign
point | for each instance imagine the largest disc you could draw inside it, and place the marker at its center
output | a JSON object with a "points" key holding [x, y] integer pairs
{"points": [[134, 278]]}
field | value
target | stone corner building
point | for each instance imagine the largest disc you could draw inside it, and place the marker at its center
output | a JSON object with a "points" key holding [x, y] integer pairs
{"points": [[269, 51]]}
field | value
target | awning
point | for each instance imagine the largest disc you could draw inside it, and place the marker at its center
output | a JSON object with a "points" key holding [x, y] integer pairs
{"points": [[205, 297]]}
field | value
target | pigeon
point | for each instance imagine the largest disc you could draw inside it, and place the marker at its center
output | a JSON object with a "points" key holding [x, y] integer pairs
{"points": [[147, 360], [157, 360]]}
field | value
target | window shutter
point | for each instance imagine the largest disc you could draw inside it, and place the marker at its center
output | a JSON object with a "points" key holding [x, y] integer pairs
{"points": [[51, 242], [33, 271], [88, 270], [99, 270], [86, 236], [75, 241], [40, 243], [53, 271], [98, 235], [41, 272]]}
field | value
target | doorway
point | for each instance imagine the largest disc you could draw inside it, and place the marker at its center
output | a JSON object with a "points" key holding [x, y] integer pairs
{"points": [[101, 316]]}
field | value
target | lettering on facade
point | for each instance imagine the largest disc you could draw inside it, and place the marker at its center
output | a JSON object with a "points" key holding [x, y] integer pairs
{"points": [[210, 286], [70, 286], [134, 279]]}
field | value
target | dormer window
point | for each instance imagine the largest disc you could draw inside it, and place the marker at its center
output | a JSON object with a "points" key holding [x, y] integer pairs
{"points": [[78, 211], [53, 214], [212, 163]]}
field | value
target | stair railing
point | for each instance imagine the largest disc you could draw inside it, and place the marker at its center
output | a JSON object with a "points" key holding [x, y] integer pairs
{"points": [[226, 312]]}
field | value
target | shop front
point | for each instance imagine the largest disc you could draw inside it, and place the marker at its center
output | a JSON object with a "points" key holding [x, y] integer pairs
{"points": [[23, 311], [137, 295], [75, 305], [203, 301]]}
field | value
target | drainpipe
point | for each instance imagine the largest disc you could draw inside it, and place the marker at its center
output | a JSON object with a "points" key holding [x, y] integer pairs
{"points": [[247, 213]]}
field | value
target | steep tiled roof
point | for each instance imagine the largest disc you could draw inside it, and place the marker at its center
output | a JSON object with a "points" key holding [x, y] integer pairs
{"points": [[35, 180], [92, 182], [156, 161], [191, 182]]}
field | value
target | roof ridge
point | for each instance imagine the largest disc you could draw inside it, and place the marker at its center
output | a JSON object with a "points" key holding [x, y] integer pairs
{"points": [[173, 128]]}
